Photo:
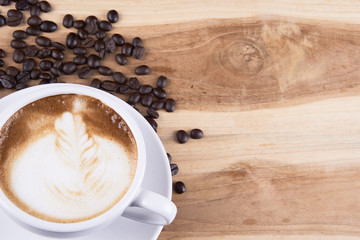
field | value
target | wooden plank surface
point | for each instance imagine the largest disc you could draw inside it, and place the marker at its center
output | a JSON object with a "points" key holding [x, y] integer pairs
{"points": [[275, 85]]}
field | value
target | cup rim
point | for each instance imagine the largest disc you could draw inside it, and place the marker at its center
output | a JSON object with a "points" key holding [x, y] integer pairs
{"points": [[110, 215]]}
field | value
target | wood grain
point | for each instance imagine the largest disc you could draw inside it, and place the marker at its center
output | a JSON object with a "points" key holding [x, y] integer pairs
{"points": [[275, 85]]}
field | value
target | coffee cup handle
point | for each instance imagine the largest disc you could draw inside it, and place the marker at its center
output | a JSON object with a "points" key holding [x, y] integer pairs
{"points": [[152, 208]]}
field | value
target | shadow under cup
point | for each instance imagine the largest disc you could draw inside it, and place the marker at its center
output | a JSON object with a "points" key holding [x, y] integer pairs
{"points": [[70, 119]]}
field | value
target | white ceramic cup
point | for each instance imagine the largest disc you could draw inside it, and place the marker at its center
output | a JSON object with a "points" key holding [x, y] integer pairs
{"points": [[138, 204]]}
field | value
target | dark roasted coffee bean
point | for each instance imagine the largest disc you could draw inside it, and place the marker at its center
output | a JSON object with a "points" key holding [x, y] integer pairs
{"points": [[152, 122], [91, 27], [43, 41], [134, 98], [7, 81], [5, 2], [2, 21], [147, 100], [34, 10], [2, 53], [57, 54], [34, 74], [83, 34], [18, 56], [33, 1], [174, 169], [72, 40], [159, 93], [44, 53], [157, 105], [90, 19], [13, 21], [138, 52], [48, 26], [2, 72], [99, 44], [152, 113], [53, 80], [104, 71], [19, 34], [44, 6], [142, 70], [44, 81], [100, 35], [46, 76], [17, 43], [88, 43], [134, 83], [137, 42], [31, 51], [80, 51], [59, 46], [45, 65], [102, 54], [119, 77], [15, 13], [145, 89], [34, 21], [127, 49], [179, 187], [123, 89], [96, 83], [78, 24], [2, 63], [22, 5], [23, 77], [161, 81], [13, 71], [118, 39], [84, 72], [170, 105], [121, 59], [113, 16], [105, 26], [68, 21], [196, 133], [58, 64], [69, 68], [110, 45], [93, 61], [33, 31], [20, 86], [54, 71], [182, 136], [110, 86], [169, 157], [80, 60], [28, 64]]}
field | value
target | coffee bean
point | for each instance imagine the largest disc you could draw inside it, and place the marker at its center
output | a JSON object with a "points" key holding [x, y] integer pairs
{"points": [[100, 35], [84, 72], [22, 5], [31, 51], [110, 86], [45, 65], [157, 105], [7, 81], [83, 34], [145, 89], [69, 68], [68, 21], [80, 51], [33, 1], [147, 100], [134, 83], [56, 72], [20, 86], [113, 16], [13, 71], [196, 133], [159, 93], [105, 26], [93, 61], [13, 21], [19, 34], [34, 21], [44, 75], [88, 43], [2, 63], [138, 52], [2, 53], [137, 42], [57, 54], [179, 187], [174, 169], [44, 6], [104, 71], [23, 77], [72, 40], [28, 64], [134, 98], [2, 20], [121, 59], [59, 46], [96, 83], [43, 41], [169, 157], [48, 26], [123, 89], [34, 74], [102, 54], [152, 122], [2, 72], [5, 2], [142, 70], [152, 113], [119, 77], [17, 43], [182, 136], [127, 49], [44, 53], [110, 45], [91, 25], [18, 56], [33, 31], [99, 44], [58, 64], [15, 13], [170, 105], [80, 60], [34, 10], [90, 19], [78, 24], [118, 39], [161, 81], [44, 81]]}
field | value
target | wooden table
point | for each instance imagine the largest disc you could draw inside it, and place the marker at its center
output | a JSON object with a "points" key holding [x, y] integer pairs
{"points": [[275, 85]]}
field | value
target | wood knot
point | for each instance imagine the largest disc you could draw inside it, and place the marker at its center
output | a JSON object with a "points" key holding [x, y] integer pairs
{"points": [[241, 57]]}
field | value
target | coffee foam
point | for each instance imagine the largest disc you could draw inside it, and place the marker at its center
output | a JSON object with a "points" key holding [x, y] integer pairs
{"points": [[73, 169]]}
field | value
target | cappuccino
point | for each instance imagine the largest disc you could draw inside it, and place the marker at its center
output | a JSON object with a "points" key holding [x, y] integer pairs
{"points": [[66, 158]]}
